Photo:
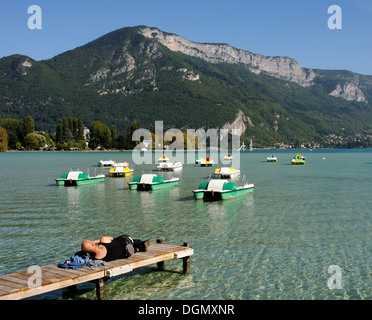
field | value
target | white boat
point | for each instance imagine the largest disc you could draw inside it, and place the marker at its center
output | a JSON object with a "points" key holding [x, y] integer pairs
{"points": [[226, 172], [106, 163], [169, 166], [228, 157]]}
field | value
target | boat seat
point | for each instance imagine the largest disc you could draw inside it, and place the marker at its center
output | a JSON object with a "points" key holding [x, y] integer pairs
{"points": [[73, 175], [158, 180], [147, 178], [203, 186], [216, 185], [229, 186], [83, 176]]}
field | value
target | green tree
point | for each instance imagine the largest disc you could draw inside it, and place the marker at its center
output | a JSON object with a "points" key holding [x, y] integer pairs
{"points": [[31, 142], [69, 130], [133, 127], [42, 140], [3, 140], [28, 125], [80, 130], [113, 136], [106, 140], [121, 141], [100, 135], [14, 129], [72, 125], [59, 131]]}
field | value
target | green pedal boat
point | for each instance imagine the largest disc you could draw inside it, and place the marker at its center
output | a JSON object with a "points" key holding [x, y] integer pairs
{"points": [[151, 182], [78, 178], [218, 189]]}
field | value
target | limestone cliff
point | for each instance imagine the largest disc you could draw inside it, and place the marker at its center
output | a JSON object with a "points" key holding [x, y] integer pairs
{"points": [[348, 91], [280, 67]]}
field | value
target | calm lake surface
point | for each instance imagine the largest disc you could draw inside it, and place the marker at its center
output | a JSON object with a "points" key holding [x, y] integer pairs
{"points": [[275, 244]]}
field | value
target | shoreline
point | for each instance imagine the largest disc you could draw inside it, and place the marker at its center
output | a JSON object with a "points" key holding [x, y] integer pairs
{"points": [[186, 150]]}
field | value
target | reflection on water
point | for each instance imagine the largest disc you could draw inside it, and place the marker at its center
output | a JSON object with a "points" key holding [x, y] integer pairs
{"points": [[275, 244], [73, 199]]}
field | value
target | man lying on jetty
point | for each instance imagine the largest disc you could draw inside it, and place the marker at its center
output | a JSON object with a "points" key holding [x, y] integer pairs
{"points": [[109, 248]]}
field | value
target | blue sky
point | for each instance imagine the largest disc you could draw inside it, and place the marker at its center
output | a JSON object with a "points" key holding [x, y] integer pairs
{"points": [[293, 28]]}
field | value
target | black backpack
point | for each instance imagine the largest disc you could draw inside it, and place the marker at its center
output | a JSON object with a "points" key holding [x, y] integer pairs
{"points": [[129, 249]]}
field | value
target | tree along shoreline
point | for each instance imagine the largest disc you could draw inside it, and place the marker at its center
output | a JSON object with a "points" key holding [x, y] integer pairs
{"points": [[71, 135]]}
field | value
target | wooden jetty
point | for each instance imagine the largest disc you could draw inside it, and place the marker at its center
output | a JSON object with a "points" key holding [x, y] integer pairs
{"points": [[17, 285]]}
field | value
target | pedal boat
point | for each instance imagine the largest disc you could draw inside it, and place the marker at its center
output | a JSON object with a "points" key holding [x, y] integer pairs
{"points": [[226, 172], [151, 182], [78, 178], [272, 158], [298, 160], [121, 169], [220, 189]]}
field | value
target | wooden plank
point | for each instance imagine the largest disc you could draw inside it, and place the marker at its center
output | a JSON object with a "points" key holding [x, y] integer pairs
{"points": [[2, 291], [20, 276], [48, 277], [163, 248], [12, 284], [68, 272], [14, 279], [6, 288], [52, 286], [60, 273], [72, 272]]}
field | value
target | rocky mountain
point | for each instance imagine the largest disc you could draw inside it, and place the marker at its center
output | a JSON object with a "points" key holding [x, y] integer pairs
{"points": [[280, 67], [146, 74]]}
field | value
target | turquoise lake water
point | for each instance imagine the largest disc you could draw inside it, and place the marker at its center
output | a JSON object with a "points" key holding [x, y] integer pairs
{"points": [[275, 244]]}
